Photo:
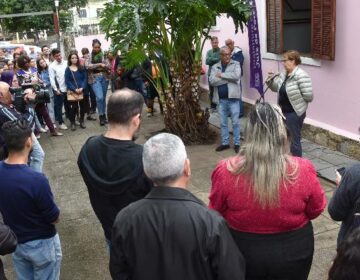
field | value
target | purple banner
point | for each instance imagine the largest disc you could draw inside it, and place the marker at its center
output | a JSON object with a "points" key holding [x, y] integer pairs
{"points": [[256, 78]]}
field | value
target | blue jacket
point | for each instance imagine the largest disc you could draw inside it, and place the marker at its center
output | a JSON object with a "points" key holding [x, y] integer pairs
{"points": [[342, 204], [45, 78], [80, 76]]}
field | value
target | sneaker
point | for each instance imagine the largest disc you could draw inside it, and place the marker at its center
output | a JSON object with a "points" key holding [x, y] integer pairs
{"points": [[91, 118], [56, 134], [236, 148], [77, 122], [82, 125], [37, 136], [222, 148], [42, 130], [73, 126], [63, 126]]}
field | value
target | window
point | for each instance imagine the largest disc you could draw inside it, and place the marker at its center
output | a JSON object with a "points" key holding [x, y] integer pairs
{"points": [[307, 26], [99, 12], [82, 13]]}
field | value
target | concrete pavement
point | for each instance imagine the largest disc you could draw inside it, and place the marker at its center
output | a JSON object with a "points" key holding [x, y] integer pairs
{"points": [[84, 250]]}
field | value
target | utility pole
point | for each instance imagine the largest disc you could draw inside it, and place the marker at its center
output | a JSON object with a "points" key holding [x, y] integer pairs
{"points": [[57, 25]]}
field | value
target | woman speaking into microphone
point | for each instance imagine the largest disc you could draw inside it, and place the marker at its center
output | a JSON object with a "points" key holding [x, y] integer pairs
{"points": [[295, 92]]}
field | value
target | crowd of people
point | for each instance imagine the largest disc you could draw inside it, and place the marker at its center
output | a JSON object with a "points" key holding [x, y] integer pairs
{"points": [[262, 200]]}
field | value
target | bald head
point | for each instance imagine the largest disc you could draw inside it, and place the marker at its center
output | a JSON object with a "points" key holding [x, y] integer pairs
{"points": [[230, 44], [5, 95], [123, 105]]}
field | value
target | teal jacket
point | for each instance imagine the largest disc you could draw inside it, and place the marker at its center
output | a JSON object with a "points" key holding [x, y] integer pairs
{"points": [[212, 57]]}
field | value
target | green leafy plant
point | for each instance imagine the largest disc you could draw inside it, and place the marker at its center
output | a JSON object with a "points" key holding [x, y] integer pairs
{"points": [[176, 29]]}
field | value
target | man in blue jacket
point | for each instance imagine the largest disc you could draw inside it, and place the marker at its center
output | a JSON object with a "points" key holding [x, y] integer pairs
{"points": [[28, 208]]}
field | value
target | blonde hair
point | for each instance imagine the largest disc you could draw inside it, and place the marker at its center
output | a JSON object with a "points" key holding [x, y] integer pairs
{"points": [[265, 159]]}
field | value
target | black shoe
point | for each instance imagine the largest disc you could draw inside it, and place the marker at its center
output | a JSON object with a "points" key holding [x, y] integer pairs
{"points": [[236, 148], [102, 120], [222, 147], [105, 119], [82, 125], [73, 126]]}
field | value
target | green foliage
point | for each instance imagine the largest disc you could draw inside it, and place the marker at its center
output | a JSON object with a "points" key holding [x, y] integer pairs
{"points": [[176, 28], [37, 22]]}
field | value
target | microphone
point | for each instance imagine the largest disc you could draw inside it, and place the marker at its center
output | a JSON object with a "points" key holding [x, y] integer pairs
{"points": [[272, 77]]}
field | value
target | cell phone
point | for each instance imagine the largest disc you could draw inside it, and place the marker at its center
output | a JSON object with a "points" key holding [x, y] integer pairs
{"points": [[341, 171]]}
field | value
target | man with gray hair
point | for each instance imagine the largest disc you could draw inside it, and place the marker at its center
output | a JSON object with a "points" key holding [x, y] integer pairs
{"points": [[225, 77], [171, 234]]}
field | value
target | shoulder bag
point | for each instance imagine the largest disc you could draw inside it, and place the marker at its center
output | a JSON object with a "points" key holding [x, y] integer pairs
{"points": [[73, 96]]}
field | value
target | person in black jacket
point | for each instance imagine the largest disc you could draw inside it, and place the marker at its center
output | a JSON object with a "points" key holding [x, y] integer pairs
{"points": [[343, 203], [171, 234], [8, 243], [111, 164]]}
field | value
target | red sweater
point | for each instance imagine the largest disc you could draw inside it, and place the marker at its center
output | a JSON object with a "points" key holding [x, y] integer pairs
{"points": [[300, 202]]}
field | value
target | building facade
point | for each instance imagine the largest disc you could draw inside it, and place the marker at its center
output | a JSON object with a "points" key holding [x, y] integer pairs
{"points": [[329, 55], [87, 19]]}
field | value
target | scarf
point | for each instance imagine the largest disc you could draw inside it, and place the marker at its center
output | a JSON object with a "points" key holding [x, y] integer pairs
{"points": [[97, 57]]}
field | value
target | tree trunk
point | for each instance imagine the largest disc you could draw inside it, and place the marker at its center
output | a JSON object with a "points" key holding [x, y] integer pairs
{"points": [[183, 115]]}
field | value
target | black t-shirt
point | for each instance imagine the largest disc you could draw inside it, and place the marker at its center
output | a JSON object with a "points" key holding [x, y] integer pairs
{"points": [[113, 173], [284, 102]]}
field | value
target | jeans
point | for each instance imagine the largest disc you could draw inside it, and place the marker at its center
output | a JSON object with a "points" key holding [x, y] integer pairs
{"points": [[294, 124], [59, 103], [37, 155], [51, 105], [43, 112], [229, 107], [100, 87], [38, 259]]}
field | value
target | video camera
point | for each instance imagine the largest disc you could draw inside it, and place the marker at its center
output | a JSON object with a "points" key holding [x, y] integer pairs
{"points": [[42, 95]]}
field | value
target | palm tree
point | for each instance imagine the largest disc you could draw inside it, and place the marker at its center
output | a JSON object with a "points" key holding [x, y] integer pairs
{"points": [[177, 30]]}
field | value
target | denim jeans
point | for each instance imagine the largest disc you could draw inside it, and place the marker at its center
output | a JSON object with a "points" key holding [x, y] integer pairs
{"points": [[229, 107], [37, 155], [294, 124], [51, 105], [100, 87], [59, 103], [38, 259]]}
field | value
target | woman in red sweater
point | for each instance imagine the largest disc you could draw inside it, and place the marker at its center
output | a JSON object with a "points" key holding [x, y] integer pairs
{"points": [[268, 198]]}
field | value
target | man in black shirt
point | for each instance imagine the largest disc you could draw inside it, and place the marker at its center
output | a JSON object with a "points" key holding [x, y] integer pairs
{"points": [[111, 164]]}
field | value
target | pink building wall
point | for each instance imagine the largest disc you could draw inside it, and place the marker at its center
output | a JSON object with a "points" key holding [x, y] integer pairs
{"points": [[336, 84], [86, 42]]}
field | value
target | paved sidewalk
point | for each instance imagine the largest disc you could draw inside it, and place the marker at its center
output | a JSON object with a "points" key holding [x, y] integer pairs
{"points": [[84, 250]]}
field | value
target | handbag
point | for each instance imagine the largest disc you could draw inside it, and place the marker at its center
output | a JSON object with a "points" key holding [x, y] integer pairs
{"points": [[72, 95]]}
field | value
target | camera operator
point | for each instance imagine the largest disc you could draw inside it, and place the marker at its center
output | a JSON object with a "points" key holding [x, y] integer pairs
{"points": [[9, 113], [28, 76]]}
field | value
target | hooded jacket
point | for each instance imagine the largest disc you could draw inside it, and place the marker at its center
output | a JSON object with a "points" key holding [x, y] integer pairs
{"points": [[113, 173]]}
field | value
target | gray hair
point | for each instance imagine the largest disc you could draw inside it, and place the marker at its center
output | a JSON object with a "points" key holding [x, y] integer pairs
{"points": [[265, 156], [164, 157], [224, 48]]}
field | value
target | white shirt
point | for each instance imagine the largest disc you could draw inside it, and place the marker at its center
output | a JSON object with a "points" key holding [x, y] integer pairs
{"points": [[57, 71]]}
